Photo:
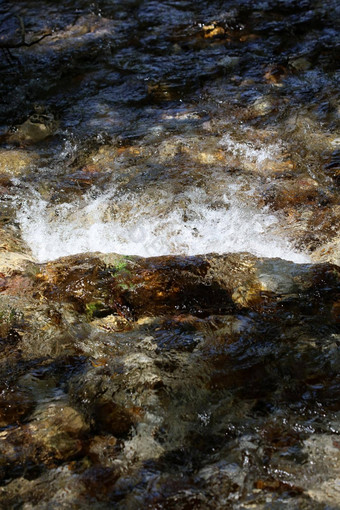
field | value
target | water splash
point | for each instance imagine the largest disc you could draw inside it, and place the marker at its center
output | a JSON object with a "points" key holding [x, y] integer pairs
{"points": [[137, 224], [249, 152]]}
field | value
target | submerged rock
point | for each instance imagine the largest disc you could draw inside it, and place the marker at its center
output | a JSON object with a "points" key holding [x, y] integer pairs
{"points": [[146, 368], [54, 433], [133, 287], [15, 405], [330, 252], [35, 129], [15, 163], [59, 428]]}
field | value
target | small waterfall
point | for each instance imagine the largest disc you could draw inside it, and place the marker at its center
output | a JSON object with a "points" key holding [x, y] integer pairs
{"points": [[137, 224]]}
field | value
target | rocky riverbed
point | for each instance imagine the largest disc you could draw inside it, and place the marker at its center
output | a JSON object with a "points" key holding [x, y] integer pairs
{"points": [[169, 255]]}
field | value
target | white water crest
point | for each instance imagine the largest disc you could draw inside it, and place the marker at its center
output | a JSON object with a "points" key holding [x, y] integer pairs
{"points": [[141, 224], [249, 152]]}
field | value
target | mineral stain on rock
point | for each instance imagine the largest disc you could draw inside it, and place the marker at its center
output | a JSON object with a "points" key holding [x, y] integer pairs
{"points": [[169, 255]]}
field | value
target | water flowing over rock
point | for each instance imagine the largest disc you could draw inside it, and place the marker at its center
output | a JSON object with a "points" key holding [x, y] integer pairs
{"points": [[169, 255], [123, 366]]}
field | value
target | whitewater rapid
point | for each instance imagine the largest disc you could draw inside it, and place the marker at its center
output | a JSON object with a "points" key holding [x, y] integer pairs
{"points": [[134, 224]]}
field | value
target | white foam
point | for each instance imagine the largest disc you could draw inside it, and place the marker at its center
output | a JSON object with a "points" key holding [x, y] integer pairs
{"points": [[140, 224], [248, 151]]}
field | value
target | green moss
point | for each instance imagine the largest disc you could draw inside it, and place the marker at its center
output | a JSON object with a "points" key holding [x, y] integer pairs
{"points": [[121, 266], [94, 309]]}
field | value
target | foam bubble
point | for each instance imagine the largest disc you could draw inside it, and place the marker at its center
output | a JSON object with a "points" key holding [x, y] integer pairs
{"points": [[248, 151], [136, 224]]}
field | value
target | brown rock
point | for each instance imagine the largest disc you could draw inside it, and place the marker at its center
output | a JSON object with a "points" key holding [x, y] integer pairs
{"points": [[11, 262], [332, 167], [336, 311], [212, 31], [99, 482], [287, 193], [134, 287], [16, 162], [17, 285], [275, 74], [15, 404], [103, 449], [56, 431], [113, 418], [329, 252]]}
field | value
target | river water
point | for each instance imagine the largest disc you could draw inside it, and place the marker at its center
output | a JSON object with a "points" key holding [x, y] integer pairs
{"points": [[178, 128], [212, 105]]}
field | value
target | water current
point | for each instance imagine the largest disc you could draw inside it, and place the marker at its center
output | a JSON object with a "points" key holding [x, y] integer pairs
{"points": [[222, 217], [169, 128], [212, 114]]}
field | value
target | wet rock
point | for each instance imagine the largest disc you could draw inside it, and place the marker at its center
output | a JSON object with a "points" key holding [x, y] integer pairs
{"points": [[216, 372], [222, 477], [54, 433], [112, 323], [75, 304], [330, 252], [133, 287], [110, 408], [15, 405], [16, 285], [315, 229], [113, 418], [165, 282], [275, 74], [332, 167], [103, 450], [263, 105], [11, 242], [99, 482], [78, 35], [253, 157], [213, 31], [228, 62], [59, 428], [297, 192], [300, 64], [17, 162], [35, 129], [59, 487], [9, 30], [320, 475], [93, 155], [167, 378]]}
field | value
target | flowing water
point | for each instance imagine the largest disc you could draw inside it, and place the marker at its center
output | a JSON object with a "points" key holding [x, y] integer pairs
{"points": [[196, 98], [154, 222], [174, 127]]}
